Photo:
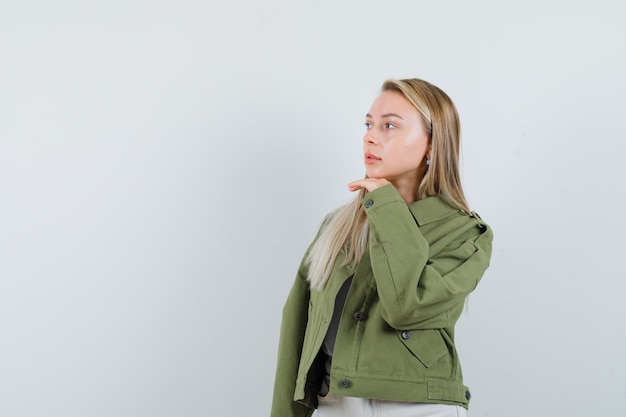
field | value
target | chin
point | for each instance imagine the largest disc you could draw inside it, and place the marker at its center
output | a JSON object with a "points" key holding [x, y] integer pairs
{"points": [[375, 175]]}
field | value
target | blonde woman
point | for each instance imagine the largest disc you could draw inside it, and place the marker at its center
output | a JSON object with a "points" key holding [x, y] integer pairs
{"points": [[368, 327]]}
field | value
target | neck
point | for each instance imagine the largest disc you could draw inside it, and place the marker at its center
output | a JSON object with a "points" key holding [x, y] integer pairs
{"points": [[407, 189]]}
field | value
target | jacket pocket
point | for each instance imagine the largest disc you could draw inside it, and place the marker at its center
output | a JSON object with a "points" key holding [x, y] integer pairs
{"points": [[426, 345], [454, 255]]}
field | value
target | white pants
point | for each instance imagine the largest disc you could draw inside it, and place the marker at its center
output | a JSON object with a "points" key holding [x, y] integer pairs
{"points": [[336, 406]]}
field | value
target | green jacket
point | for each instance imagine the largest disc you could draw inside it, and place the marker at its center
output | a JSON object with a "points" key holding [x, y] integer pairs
{"points": [[396, 334]]}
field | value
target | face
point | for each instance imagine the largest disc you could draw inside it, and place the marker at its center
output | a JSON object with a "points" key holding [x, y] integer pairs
{"points": [[395, 145]]}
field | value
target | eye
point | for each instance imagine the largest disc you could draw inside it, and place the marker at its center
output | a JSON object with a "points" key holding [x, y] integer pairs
{"points": [[368, 125], [390, 126]]}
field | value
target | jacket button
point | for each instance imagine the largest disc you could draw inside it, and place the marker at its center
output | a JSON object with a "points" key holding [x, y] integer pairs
{"points": [[405, 334], [359, 316], [369, 203], [344, 383], [468, 395]]}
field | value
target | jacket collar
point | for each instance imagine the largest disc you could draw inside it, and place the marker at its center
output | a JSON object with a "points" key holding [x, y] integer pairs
{"points": [[431, 209]]}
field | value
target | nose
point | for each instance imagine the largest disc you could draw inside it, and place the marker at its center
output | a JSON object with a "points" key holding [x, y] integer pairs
{"points": [[370, 138]]}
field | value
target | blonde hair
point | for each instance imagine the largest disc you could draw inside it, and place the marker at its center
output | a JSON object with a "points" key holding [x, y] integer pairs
{"points": [[346, 229]]}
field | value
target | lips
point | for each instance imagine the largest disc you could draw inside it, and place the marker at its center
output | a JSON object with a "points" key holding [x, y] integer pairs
{"points": [[370, 158]]}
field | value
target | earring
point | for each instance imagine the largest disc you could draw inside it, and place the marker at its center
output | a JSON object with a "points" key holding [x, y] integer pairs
{"points": [[427, 162]]}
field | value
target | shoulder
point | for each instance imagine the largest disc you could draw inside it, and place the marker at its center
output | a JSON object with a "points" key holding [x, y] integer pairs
{"points": [[442, 223]]}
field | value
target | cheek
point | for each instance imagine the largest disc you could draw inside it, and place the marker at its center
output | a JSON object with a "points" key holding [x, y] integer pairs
{"points": [[416, 148], [417, 136]]}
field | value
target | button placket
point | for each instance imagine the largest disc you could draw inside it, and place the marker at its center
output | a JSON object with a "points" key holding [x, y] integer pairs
{"points": [[360, 316]]}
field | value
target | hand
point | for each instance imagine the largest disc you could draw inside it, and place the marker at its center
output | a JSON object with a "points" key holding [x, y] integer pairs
{"points": [[370, 184]]}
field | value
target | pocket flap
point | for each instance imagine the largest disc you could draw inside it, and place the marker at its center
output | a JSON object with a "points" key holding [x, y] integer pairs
{"points": [[426, 345]]}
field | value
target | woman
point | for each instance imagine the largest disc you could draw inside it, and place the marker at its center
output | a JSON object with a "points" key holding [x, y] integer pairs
{"points": [[368, 327]]}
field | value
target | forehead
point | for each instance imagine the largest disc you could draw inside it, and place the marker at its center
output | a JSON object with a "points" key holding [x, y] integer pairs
{"points": [[392, 102]]}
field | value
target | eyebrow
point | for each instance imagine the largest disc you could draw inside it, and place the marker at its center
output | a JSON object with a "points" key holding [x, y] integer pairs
{"points": [[386, 115]]}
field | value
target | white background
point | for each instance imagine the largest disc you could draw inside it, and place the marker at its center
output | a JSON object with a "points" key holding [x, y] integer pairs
{"points": [[164, 164]]}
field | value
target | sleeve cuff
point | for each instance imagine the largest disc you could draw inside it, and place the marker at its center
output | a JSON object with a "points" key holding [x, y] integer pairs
{"points": [[381, 196]]}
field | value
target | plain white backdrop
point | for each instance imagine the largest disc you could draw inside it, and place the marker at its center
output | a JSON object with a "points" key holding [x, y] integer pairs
{"points": [[164, 165]]}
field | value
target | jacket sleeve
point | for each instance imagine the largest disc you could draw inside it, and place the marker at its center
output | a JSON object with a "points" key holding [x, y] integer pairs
{"points": [[417, 289], [293, 326]]}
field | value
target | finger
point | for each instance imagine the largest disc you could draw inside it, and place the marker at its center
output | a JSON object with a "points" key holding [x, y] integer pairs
{"points": [[356, 185]]}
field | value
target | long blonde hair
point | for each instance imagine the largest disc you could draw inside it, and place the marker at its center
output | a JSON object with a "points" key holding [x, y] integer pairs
{"points": [[346, 229]]}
